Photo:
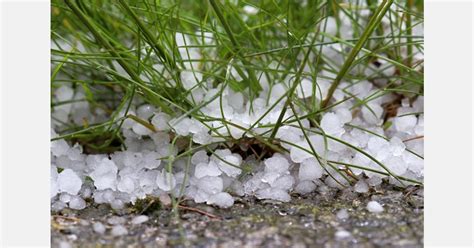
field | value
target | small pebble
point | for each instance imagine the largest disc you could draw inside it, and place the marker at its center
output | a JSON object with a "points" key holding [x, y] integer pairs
{"points": [[139, 219], [165, 199], [99, 228], [342, 214], [116, 220], [119, 230], [342, 234]]}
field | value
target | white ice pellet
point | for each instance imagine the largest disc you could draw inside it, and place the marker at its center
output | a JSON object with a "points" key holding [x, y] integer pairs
{"points": [[165, 180], [231, 166], [139, 219], [396, 165], [69, 182], [128, 122], [58, 206], [236, 101], [420, 126], [64, 93], [190, 79], [222, 199], [418, 104], [207, 169], [160, 121], [379, 147], [388, 70], [202, 137], [270, 177], [374, 207], [98, 227], [273, 194], [131, 159], [109, 195], [140, 129], [310, 169], [54, 188], [126, 184], [77, 202], [211, 94], [105, 175], [277, 91], [417, 169], [166, 150], [372, 113], [117, 204], [210, 185], [374, 180], [86, 192], [318, 144], [305, 88], [181, 127], [150, 160], [362, 88], [405, 123], [330, 25], [396, 146], [288, 136], [64, 244], [59, 147], [75, 153], [237, 188], [227, 181], [361, 186], [284, 182], [147, 181], [305, 187], [405, 102], [198, 195], [197, 127], [297, 154], [277, 164], [65, 197], [199, 157], [234, 131], [344, 115], [250, 10], [145, 111], [60, 114], [119, 230], [332, 125]]}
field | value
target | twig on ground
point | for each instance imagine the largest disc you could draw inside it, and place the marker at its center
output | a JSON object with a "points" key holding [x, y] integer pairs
{"points": [[414, 138], [212, 216]]}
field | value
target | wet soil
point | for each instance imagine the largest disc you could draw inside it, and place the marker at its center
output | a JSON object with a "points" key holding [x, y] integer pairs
{"points": [[307, 221]]}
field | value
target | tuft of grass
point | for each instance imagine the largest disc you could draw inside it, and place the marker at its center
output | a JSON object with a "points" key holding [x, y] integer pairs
{"points": [[124, 52]]}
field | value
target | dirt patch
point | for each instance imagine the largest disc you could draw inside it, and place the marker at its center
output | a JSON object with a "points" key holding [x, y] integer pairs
{"points": [[308, 221]]}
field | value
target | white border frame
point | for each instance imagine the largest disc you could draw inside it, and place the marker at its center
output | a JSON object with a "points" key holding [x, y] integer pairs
{"points": [[454, 200], [25, 129]]}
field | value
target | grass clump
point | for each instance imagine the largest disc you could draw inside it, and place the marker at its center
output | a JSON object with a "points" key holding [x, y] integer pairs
{"points": [[182, 56]]}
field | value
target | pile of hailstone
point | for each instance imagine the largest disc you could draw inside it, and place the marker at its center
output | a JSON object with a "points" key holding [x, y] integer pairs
{"points": [[151, 165], [214, 178]]}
